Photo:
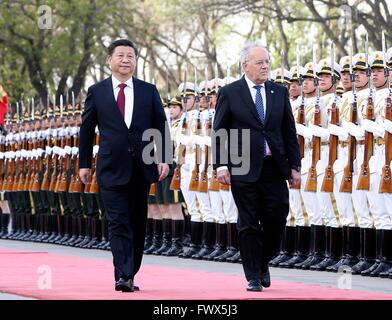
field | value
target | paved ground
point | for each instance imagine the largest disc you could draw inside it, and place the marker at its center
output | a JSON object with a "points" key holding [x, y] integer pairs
{"points": [[309, 277]]}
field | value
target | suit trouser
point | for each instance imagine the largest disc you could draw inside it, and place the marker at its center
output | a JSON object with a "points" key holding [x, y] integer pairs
{"points": [[126, 213], [263, 207]]}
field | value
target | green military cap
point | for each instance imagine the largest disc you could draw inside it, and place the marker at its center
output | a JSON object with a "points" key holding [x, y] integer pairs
{"points": [[175, 101]]}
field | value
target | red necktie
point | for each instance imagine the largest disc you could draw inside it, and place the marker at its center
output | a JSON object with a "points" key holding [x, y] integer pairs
{"points": [[121, 99]]}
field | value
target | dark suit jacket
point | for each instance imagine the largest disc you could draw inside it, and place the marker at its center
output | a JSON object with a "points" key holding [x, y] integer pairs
{"points": [[118, 145], [236, 110]]}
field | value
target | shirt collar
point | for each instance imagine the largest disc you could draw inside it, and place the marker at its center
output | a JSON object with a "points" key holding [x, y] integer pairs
{"points": [[251, 84], [116, 82]]}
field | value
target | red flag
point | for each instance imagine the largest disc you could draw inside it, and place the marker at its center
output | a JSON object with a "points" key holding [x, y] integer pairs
{"points": [[3, 104]]}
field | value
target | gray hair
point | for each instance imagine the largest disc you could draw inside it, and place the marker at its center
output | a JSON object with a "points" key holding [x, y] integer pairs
{"points": [[244, 54]]}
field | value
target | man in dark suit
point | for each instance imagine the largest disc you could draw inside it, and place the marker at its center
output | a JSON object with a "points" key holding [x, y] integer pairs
{"points": [[270, 151], [123, 108]]}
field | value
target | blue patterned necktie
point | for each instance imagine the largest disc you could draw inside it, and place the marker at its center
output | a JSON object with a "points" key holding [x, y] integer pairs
{"points": [[260, 110]]}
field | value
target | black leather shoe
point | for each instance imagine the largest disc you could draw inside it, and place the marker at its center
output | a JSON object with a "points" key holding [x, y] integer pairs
{"points": [[136, 288], [265, 278], [254, 285], [124, 285]]}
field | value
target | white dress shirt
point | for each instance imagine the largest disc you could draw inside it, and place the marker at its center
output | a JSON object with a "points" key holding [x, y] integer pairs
{"points": [[128, 91], [253, 92]]}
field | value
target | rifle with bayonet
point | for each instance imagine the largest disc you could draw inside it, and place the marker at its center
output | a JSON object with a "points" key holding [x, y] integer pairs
{"points": [[347, 181], [364, 175], [195, 177], [176, 180], [311, 182], [386, 179], [45, 185], [55, 156], [327, 184]]}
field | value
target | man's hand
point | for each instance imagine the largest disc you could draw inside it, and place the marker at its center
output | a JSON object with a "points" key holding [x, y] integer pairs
{"points": [[163, 170], [223, 176], [85, 175], [295, 179]]}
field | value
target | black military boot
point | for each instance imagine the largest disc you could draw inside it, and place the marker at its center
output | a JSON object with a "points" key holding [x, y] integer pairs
{"points": [[288, 245], [232, 243], [220, 241], [374, 266], [54, 227], [5, 222], [319, 248], [149, 233], [87, 233], [385, 265], [176, 241], [350, 259], [95, 233], [196, 240], [36, 227], [67, 230], [334, 242], [157, 237], [166, 237], [368, 250], [208, 240], [22, 229], [104, 238], [302, 247], [81, 226], [74, 231], [29, 226]]}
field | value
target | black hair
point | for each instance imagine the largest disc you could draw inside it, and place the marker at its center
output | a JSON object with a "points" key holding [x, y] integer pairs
{"points": [[121, 42]]}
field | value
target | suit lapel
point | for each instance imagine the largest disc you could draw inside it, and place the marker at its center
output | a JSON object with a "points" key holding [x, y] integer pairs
{"points": [[111, 102], [137, 99], [269, 94], [247, 97]]}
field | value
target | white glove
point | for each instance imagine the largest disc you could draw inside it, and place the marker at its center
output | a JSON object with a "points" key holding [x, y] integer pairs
{"points": [[7, 155], [56, 150], [350, 98], [338, 131], [388, 125], [48, 150], [18, 154], [95, 150], [2, 155], [74, 131], [319, 132], [60, 132], [355, 131], [75, 151], [62, 152], [207, 141], [12, 154], [374, 127], [39, 152], [199, 140], [184, 139], [96, 129], [303, 130], [67, 149]]}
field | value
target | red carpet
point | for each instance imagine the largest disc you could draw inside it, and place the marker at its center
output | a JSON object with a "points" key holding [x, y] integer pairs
{"points": [[85, 278]]}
